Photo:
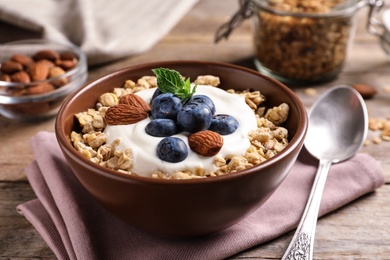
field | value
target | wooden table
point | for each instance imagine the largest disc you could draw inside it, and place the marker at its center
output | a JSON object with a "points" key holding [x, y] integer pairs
{"points": [[360, 230]]}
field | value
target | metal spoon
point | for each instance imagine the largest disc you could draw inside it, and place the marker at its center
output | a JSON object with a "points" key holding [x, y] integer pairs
{"points": [[337, 129]]}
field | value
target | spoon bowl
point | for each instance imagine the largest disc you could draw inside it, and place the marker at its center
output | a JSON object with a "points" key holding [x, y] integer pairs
{"points": [[338, 124]]}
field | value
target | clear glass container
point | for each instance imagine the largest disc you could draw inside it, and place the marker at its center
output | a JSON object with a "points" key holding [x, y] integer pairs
{"points": [[381, 29], [17, 101], [300, 41], [303, 41], [385, 37]]}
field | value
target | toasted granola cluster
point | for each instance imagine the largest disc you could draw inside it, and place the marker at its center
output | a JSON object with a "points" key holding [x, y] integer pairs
{"points": [[381, 125], [266, 141]]}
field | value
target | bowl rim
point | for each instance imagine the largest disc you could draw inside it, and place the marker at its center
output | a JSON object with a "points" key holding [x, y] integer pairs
{"points": [[79, 71], [67, 147]]}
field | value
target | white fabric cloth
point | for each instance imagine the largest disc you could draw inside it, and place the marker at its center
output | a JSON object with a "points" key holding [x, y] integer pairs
{"points": [[105, 30]]}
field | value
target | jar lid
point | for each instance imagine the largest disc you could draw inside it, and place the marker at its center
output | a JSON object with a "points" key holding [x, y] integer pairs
{"points": [[341, 8], [311, 9]]}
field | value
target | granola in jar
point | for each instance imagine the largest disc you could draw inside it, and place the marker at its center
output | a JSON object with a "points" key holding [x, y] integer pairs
{"points": [[302, 40]]}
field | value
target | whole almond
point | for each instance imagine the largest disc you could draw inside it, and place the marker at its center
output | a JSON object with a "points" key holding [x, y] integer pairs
{"points": [[11, 67], [135, 100], [366, 91], [22, 59], [21, 76], [124, 114], [41, 88], [47, 63], [16, 92], [5, 77], [67, 56], [46, 54], [66, 64], [38, 71], [206, 143], [56, 72]]}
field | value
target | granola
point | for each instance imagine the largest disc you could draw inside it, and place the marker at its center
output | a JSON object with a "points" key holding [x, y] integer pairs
{"points": [[301, 47], [381, 125], [266, 141]]}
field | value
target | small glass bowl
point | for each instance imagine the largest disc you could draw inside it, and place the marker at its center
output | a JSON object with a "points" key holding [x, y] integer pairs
{"points": [[16, 102]]}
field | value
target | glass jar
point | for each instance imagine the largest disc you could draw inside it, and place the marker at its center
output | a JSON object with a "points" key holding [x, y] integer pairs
{"points": [[301, 41], [381, 29]]}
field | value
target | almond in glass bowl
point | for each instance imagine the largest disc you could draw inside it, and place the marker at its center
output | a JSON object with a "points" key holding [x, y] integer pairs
{"points": [[36, 76]]}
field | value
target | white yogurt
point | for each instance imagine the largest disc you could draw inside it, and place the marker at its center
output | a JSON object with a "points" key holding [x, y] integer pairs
{"points": [[143, 146]]}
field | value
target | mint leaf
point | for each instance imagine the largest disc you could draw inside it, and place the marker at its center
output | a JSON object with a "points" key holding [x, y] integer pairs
{"points": [[168, 80], [171, 81]]}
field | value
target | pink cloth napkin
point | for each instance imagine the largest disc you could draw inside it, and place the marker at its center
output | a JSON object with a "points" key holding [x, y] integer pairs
{"points": [[76, 227]]}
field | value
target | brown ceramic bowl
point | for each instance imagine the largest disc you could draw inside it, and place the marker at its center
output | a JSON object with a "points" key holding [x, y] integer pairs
{"points": [[184, 207]]}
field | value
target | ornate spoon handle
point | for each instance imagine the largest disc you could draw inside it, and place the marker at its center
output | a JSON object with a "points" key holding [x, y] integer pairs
{"points": [[301, 245]]}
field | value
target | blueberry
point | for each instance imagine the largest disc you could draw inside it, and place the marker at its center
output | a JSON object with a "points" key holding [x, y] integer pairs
{"points": [[194, 117], [166, 105], [172, 149], [156, 93], [203, 99], [161, 127], [223, 124]]}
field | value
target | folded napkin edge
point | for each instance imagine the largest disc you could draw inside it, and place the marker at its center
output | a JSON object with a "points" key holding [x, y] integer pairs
{"points": [[376, 174]]}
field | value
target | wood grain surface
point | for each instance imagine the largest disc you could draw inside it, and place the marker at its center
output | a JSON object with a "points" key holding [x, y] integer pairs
{"points": [[360, 230]]}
